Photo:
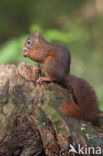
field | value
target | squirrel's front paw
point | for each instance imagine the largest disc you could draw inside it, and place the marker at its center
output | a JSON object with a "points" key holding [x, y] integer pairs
{"points": [[26, 54]]}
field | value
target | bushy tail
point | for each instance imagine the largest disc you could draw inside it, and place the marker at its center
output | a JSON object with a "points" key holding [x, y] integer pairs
{"points": [[85, 106]]}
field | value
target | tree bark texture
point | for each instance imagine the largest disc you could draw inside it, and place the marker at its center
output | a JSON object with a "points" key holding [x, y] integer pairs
{"points": [[31, 120]]}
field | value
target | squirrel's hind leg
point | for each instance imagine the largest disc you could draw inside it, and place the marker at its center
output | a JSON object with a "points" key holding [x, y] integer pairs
{"points": [[43, 79]]}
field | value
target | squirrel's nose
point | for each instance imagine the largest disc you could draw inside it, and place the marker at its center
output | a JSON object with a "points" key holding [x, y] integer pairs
{"points": [[25, 49]]}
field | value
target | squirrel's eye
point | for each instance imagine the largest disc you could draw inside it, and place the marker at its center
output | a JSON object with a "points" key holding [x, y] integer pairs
{"points": [[29, 42]]}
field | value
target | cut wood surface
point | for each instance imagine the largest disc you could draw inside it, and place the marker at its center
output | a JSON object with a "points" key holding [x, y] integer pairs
{"points": [[31, 119]]}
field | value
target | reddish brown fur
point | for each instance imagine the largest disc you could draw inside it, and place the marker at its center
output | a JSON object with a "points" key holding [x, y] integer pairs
{"points": [[57, 59], [86, 106]]}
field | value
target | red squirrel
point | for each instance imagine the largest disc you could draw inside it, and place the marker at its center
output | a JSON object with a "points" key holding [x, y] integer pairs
{"points": [[57, 59]]}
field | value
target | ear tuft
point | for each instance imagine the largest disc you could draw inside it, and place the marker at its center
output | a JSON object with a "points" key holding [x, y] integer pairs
{"points": [[36, 33]]}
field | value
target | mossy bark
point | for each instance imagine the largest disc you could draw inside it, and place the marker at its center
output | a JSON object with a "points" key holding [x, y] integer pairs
{"points": [[31, 120]]}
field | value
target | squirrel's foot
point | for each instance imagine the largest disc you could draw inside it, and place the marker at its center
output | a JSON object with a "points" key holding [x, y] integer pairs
{"points": [[43, 79]]}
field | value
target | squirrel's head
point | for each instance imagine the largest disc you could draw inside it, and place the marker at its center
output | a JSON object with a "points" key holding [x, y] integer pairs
{"points": [[31, 43]]}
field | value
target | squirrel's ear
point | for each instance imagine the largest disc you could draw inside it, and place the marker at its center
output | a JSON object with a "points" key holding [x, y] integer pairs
{"points": [[36, 35]]}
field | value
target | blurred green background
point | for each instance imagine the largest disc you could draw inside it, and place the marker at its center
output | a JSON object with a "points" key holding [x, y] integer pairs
{"points": [[76, 23]]}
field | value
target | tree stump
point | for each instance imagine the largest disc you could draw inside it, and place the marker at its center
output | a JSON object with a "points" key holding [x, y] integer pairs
{"points": [[32, 122]]}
